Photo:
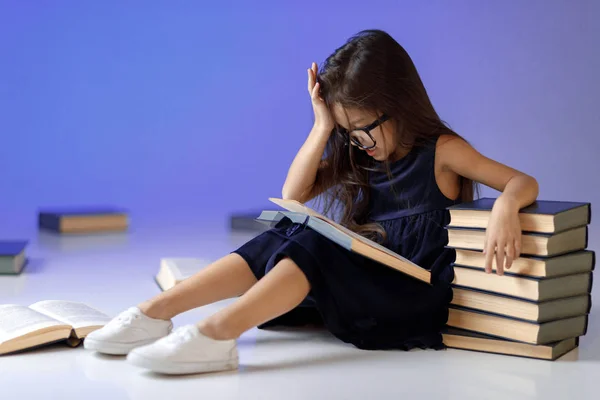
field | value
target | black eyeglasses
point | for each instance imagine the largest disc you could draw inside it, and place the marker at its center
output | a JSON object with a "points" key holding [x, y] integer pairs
{"points": [[361, 137]]}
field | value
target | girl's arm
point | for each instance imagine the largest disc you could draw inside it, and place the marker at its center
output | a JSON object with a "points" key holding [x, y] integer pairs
{"points": [[503, 234], [302, 174], [299, 184]]}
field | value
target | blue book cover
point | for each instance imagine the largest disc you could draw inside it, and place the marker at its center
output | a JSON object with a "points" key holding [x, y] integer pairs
{"points": [[547, 207], [12, 248], [80, 211]]}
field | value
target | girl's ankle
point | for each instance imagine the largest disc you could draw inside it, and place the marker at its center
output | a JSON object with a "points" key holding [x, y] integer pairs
{"points": [[154, 310]]}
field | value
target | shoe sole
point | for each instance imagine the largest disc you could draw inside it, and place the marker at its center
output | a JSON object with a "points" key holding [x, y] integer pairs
{"points": [[112, 348], [182, 368]]}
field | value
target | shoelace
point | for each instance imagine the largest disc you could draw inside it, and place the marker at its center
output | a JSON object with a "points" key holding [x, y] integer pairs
{"points": [[180, 335]]}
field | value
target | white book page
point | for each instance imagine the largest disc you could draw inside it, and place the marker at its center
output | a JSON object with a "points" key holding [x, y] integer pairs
{"points": [[16, 321], [78, 315]]}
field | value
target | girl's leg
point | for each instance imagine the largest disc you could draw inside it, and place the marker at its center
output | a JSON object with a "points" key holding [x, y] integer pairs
{"points": [[278, 292], [227, 277], [212, 346]]}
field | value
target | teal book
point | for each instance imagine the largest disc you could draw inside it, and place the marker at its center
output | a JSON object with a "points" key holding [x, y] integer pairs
{"points": [[543, 216], [344, 237], [12, 257], [83, 219]]}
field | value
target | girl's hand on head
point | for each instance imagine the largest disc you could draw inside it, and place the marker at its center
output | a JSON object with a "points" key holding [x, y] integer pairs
{"points": [[323, 117], [503, 235]]}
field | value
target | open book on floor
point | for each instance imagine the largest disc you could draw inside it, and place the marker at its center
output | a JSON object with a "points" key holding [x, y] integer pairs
{"points": [[45, 322], [344, 237]]}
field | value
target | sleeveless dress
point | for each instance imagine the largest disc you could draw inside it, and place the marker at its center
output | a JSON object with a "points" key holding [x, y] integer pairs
{"points": [[358, 300]]}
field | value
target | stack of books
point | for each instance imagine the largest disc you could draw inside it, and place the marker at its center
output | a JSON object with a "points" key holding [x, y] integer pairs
{"points": [[539, 308]]}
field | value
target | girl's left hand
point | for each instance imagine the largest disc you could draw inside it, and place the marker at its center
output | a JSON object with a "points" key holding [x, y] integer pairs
{"points": [[503, 235]]}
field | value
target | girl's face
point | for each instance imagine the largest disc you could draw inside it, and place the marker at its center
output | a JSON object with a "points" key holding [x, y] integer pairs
{"points": [[368, 131]]}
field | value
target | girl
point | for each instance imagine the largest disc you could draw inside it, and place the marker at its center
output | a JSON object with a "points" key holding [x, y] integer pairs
{"points": [[380, 155]]}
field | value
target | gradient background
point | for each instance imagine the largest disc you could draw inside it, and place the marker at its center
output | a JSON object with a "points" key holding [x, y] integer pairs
{"points": [[183, 109]]}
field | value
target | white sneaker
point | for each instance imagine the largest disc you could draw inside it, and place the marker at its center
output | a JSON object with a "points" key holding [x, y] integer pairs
{"points": [[186, 351], [128, 330]]}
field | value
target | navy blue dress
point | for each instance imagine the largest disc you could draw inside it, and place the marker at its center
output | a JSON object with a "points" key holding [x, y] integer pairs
{"points": [[359, 300]]}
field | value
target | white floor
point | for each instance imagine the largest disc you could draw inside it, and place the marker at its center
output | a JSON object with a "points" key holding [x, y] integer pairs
{"points": [[111, 272]]}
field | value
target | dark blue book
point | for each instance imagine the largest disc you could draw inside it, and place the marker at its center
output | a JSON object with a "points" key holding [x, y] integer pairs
{"points": [[520, 308], [566, 264], [542, 216], [532, 244], [517, 329], [83, 219], [524, 287], [466, 340], [12, 256]]}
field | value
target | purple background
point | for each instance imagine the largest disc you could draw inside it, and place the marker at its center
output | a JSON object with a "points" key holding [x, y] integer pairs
{"points": [[189, 109]]}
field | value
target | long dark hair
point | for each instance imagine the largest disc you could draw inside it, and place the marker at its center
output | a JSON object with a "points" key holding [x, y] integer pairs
{"points": [[373, 72]]}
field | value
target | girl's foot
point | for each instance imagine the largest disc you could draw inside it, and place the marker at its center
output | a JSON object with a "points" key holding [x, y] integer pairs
{"points": [[186, 351], [130, 329]]}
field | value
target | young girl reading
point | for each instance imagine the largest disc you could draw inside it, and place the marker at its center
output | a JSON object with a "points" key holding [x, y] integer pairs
{"points": [[381, 157]]}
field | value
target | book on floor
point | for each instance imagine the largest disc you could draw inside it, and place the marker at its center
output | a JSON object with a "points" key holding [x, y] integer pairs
{"points": [[566, 264], [515, 329], [174, 270], [531, 288], [12, 256], [83, 219], [535, 244], [528, 310], [246, 221], [344, 237], [542, 216], [466, 340], [45, 322]]}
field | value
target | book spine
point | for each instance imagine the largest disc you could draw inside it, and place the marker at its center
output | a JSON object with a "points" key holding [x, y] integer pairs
{"points": [[589, 303], [591, 283], [586, 326], [49, 221]]}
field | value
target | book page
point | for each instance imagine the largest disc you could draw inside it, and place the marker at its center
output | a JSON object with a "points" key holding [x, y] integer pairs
{"points": [[18, 320], [78, 315]]}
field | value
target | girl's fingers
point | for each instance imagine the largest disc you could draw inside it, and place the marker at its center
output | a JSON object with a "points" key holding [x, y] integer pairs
{"points": [[315, 92], [489, 254], [500, 258], [510, 253], [311, 83]]}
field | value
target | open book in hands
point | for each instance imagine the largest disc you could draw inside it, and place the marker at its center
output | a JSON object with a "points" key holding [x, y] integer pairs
{"points": [[46, 322], [344, 237]]}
